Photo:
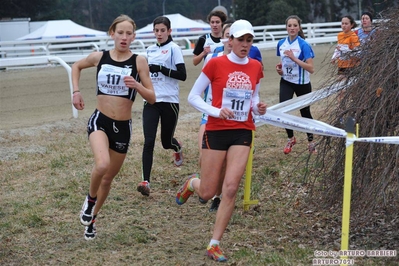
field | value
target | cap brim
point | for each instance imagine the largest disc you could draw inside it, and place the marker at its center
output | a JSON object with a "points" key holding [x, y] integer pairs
{"points": [[243, 32]]}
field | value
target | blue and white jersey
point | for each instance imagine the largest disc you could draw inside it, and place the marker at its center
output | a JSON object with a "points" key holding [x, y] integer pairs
{"points": [[208, 91], [209, 42], [364, 36], [168, 55], [302, 50]]}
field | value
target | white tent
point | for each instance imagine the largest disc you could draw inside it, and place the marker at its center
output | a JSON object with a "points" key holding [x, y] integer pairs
{"points": [[58, 29], [179, 23]]}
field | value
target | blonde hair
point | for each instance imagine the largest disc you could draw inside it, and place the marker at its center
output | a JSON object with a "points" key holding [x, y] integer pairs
{"points": [[119, 19], [225, 27]]}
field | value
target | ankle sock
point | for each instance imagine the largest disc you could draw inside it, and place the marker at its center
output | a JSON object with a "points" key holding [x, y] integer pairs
{"points": [[214, 242], [190, 186], [90, 198]]}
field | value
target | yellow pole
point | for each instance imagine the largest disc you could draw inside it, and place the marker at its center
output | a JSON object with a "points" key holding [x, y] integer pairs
{"points": [[248, 178], [346, 206]]}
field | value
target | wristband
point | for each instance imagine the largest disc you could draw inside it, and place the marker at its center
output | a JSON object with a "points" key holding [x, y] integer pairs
{"points": [[75, 92]]}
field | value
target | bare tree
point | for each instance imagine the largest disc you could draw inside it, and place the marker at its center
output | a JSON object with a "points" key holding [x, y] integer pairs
{"points": [[372, 99]]}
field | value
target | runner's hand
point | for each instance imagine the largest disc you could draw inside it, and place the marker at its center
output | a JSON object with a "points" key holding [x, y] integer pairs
{"points": [[131, 82], [279, 69], [262, 108], [226, 113], [77, 101]]}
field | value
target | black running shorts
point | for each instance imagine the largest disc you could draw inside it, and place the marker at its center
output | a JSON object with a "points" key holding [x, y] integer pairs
{"points": [[222, 139], [118, 132]]}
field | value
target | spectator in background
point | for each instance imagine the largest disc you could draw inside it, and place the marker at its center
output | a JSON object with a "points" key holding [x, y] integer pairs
{"points": [[208, 42]]}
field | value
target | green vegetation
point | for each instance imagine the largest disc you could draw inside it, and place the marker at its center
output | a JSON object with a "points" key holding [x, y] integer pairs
{"points": [[99, 14]]}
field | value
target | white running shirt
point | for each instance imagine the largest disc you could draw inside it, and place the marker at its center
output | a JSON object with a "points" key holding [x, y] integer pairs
{"points": [[168, 55]]}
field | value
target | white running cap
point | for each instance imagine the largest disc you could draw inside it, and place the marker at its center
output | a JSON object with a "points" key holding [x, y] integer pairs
{"points": [[240, 28]]}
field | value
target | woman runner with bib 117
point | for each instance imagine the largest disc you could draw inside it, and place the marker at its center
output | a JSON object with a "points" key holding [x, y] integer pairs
{"points": [[119, 73], [235, 81]]}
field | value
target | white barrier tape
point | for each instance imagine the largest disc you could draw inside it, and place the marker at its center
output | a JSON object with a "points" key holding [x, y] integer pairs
{"points": [[382, 140], [349, 141], [276, 115], [283, 120], [309, 98]]}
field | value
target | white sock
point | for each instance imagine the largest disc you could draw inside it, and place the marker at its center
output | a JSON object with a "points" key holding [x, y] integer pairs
{"points": [[214, 242], [190, 186]]}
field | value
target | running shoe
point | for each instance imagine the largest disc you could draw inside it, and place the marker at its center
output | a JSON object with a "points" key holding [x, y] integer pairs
{"points": [[178, 157], [215, 253], [86, 214], [185, 191], [91, 231], [291, 142], [312, 148], [144, 188], [215, 204]]}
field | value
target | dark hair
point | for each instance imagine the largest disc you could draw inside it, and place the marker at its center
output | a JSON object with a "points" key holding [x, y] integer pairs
{"points": [[351, 20], [300, 33], [229, 20], [217, 13], [227, 24], [225, 27], [368, 14], [119, 19], [162, 20]]}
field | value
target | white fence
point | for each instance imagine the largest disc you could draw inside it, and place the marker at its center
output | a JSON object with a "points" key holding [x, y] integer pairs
{"points": [[68, 51], [265, 38]]}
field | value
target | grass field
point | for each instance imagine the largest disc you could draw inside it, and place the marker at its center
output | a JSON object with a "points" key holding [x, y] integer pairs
{"points": [[44, 174]]}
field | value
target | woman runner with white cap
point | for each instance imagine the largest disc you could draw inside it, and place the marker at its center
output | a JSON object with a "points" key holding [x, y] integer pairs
{"points": [[235, 81]]}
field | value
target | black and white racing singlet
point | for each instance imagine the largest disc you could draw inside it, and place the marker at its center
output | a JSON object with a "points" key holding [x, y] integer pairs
{"points": [[110, 76]]}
